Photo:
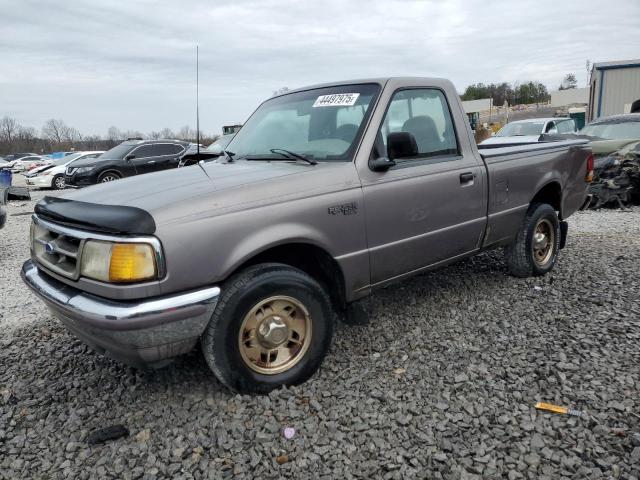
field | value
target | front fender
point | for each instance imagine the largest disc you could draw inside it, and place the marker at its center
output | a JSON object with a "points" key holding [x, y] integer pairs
{"points": [[272, 236]]}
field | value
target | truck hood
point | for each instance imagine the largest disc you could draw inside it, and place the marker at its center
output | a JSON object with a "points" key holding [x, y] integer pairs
{"points": [[176, 195]]}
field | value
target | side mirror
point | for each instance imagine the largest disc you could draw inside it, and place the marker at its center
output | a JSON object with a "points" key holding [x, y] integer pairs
{"points": [[381, 164], [401, 145], [130, 156]]}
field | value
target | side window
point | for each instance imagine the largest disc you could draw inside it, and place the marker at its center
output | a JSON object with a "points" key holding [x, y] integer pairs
{"points": [[160, 149], [144, 151], [424, 115], [176, 149], [567, 126]]}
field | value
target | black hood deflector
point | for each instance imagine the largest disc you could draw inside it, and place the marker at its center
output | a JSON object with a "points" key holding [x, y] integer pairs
{"points": [[114, 219]]}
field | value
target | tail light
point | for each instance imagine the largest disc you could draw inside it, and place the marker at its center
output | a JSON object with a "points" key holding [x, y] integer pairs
{"points": [[590, 165]]}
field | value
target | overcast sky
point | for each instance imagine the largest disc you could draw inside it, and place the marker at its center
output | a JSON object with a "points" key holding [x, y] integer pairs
{"points": [[96, 63]]}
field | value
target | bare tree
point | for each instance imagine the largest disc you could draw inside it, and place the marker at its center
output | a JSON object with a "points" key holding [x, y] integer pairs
{"points": [[26, 139], [72, 135], [185, 133], [132, 134], [280, 91], [167, 133], [56, 131], [114, 134], [8, 128]]}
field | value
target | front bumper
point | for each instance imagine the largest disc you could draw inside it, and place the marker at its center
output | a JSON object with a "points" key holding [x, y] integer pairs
{"points": [[42, 182], [139, 333], [81, 179]]}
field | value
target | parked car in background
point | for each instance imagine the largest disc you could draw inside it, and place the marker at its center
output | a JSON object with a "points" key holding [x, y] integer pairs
{"points": [[132, 157], [530, 131], [52, 176], [213, 151], [24, 163], [612, 133], [615, 142], [17, 156]]}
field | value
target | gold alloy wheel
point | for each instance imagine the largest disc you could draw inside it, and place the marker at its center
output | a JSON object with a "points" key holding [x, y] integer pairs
{"points": [[544, 237], [275, 335]]}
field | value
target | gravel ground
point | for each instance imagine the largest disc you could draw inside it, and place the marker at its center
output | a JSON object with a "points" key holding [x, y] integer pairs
{"points": [[441, 384]]}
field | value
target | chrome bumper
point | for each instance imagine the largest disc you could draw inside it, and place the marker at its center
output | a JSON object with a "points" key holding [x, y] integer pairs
{"points": [[140, 332]]}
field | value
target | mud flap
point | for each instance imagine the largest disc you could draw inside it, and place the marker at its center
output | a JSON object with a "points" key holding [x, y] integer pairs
{"points": [[357, 313], [564, 231]]}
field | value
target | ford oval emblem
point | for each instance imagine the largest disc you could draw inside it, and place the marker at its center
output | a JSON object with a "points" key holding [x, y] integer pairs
{"points": [[50, 248]]}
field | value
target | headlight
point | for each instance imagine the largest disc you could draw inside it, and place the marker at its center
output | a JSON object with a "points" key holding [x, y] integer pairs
{"points": [[118, 262], [84, 169]]}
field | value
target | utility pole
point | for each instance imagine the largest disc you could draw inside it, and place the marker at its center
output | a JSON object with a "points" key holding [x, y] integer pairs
{"points": [[197, 103]]}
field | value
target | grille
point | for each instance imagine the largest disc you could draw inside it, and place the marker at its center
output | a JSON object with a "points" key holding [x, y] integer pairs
{"points": [[56, 251], [70, 170]]}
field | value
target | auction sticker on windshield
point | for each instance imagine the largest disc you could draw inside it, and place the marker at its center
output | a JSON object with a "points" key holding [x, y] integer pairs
{"points": [[336, 100]]}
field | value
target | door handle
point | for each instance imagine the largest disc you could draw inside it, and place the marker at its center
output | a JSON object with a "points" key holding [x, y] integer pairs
{"points": [[466, 177], [151, 161]]}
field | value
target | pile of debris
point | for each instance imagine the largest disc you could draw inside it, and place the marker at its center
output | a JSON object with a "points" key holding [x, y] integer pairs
{"points": [[616, 178]]}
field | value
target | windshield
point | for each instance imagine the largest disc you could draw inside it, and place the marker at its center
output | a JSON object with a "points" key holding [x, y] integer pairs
{"points": [[64, 160], [321, 124], [116, 153], [613, 131], [520, 128], [221, 143]]}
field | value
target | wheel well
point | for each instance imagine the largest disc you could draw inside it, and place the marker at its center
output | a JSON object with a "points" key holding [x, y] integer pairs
{"points": [[312, 260], [551, 193]]}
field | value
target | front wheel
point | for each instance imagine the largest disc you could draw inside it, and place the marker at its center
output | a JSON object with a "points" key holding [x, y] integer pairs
{"points": [[58, 182], [535, 249], [108, 177], [272, 326]]}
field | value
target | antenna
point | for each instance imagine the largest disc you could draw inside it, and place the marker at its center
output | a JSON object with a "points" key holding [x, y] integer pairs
{"points": [[197, 103]]}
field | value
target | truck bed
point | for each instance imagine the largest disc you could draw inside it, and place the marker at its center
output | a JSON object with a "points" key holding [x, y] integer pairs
{"points": [[491, 151], [516, 172]]}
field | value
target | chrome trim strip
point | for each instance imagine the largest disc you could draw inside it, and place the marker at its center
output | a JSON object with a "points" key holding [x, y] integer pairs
{"points": [[86, 235]]}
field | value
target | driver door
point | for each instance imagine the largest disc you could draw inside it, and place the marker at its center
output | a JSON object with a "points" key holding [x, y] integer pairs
{"points": [[430, 206]]}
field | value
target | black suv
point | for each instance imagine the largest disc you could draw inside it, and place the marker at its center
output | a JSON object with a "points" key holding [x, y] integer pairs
{"points": [[132, 157]]}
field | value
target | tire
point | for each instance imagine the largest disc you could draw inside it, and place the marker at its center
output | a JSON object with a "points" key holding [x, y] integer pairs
{"points": [[525, 257], [108, 177], [240, 362], [58, 182]]}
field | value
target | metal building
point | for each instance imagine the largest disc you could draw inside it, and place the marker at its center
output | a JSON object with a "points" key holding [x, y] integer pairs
{"points": [[614, 88]]}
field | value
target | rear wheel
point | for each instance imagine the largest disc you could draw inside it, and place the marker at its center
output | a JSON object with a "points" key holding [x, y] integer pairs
{"points": [[272, 326], [58, 182], [108, 177], [535, 249]]}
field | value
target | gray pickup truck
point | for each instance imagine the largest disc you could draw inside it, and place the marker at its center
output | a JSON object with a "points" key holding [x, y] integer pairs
{"points": [[326, 194]]}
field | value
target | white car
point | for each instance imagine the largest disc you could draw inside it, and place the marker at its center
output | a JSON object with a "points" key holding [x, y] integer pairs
{"points": [[52, 176], [529, 131], [22, 164]]}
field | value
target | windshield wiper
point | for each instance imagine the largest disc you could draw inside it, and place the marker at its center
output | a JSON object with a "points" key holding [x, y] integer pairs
{"points": [[292, 155]]}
